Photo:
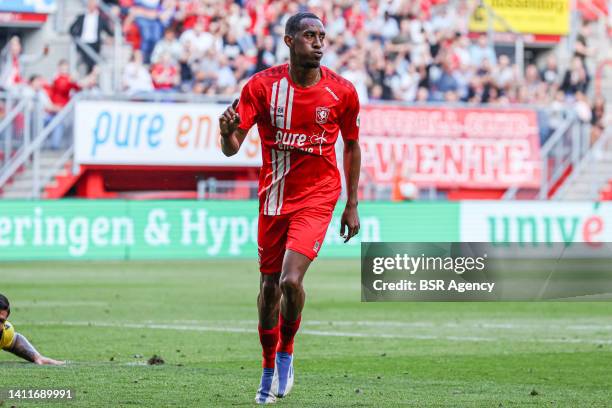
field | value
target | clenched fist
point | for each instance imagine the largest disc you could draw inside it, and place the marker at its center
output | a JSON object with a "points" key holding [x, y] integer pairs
{"points": [[229, 120]]}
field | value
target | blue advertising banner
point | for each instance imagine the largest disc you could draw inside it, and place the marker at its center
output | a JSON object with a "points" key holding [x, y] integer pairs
{"points": [[29, 6]]}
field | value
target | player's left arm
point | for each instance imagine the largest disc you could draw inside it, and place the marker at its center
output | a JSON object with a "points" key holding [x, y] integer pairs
{"points": [[23, 348], [352, 169], [349, 127]]}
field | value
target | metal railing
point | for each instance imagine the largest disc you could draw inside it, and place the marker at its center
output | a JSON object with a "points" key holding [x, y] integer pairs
{"points": [[37, 127], [563, 151], [597, 181], [10, 134], [213, 189]]}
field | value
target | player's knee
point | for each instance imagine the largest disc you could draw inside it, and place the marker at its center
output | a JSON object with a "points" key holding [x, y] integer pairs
{"points": [[290, 285], [270, 291]]}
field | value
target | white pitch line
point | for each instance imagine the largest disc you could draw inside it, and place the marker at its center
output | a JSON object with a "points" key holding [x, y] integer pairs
{"points": [[410, 325], [226, 329], [51, 303]]}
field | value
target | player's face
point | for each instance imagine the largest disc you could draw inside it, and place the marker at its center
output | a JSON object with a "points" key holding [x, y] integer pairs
{"points": [[3, 317], [308, 44]]}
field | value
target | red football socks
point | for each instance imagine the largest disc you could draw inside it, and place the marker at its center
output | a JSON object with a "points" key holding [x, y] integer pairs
{"points": [[269, 340], [287, 334]]}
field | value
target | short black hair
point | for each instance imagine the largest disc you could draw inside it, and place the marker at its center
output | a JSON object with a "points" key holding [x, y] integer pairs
{"points": [[293, 24], [4, 304]]}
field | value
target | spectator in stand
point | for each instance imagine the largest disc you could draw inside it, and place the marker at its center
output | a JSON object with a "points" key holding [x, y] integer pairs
{"points": [[576, 79], [503, 73], [266, 57], [136, 77], [405, 84], [231, 47], [532, 84], [186, 73], [205, 72], [582, 49], [146, 17], [598, 117], [64, 86], [422, 95], [557, 112], [400, 45], [550, 74], [481, 51], [88, 28], [359, 77], [445, 85], [226, 80], [13, 61], [168, 44], [60, 92], [167, 14], [583, 108], [199, 40], [165, 74], [38, 90], [477, 90]]}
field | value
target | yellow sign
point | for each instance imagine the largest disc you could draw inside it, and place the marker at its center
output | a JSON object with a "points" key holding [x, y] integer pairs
{"points": [[525, 16]]}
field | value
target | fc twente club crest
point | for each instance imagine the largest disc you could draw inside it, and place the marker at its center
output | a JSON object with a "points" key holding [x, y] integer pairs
{"points": [[322, 113]]}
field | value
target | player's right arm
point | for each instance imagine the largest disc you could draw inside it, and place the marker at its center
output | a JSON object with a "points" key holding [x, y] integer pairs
{"points": [[231, 135], [22, 348], [18, 345], [235, 122]]}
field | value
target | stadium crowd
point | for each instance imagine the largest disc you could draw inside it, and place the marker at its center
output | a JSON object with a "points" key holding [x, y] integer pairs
{"points": [[390, 50], [401, 50]]}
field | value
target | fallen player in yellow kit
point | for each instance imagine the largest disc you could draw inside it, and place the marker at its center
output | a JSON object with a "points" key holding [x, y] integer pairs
{"points": [[16, 343]]}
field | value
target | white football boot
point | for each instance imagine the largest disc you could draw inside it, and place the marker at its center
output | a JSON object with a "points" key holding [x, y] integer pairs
{"points": [[283, 375]]}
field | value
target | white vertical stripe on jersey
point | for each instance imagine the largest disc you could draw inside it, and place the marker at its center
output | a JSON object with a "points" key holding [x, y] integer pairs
{"points": [[282, 182], [273, 199], [273, 103], [289, 108], [281, 101], [273, 152]]}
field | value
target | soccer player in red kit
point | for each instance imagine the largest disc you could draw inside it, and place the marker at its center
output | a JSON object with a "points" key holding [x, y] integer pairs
{"points": [[299, 109]]}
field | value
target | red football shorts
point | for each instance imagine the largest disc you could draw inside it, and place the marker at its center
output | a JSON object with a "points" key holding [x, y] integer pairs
{"points": [[302, 231]]}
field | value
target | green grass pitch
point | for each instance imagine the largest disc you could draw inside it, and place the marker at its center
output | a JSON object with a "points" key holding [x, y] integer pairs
{"points": [[108, 318]]}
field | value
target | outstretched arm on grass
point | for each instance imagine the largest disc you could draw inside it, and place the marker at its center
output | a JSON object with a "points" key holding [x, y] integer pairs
{"points": [[22, 348]]}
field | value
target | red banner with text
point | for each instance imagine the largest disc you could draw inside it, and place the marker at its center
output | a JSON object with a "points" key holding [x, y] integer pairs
{"points": [[451, 147]]}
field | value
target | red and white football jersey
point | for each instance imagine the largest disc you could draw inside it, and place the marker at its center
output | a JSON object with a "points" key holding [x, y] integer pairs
{"points": [[298, 128]]}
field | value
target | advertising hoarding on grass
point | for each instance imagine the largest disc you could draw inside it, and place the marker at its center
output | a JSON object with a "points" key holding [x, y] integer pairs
{"points": [[119, 229], [535, 221]]}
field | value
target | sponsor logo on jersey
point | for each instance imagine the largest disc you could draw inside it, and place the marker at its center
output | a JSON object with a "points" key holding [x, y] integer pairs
{"points": [[299, 141], [322, 113], [318, 139], [290, 139]]}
